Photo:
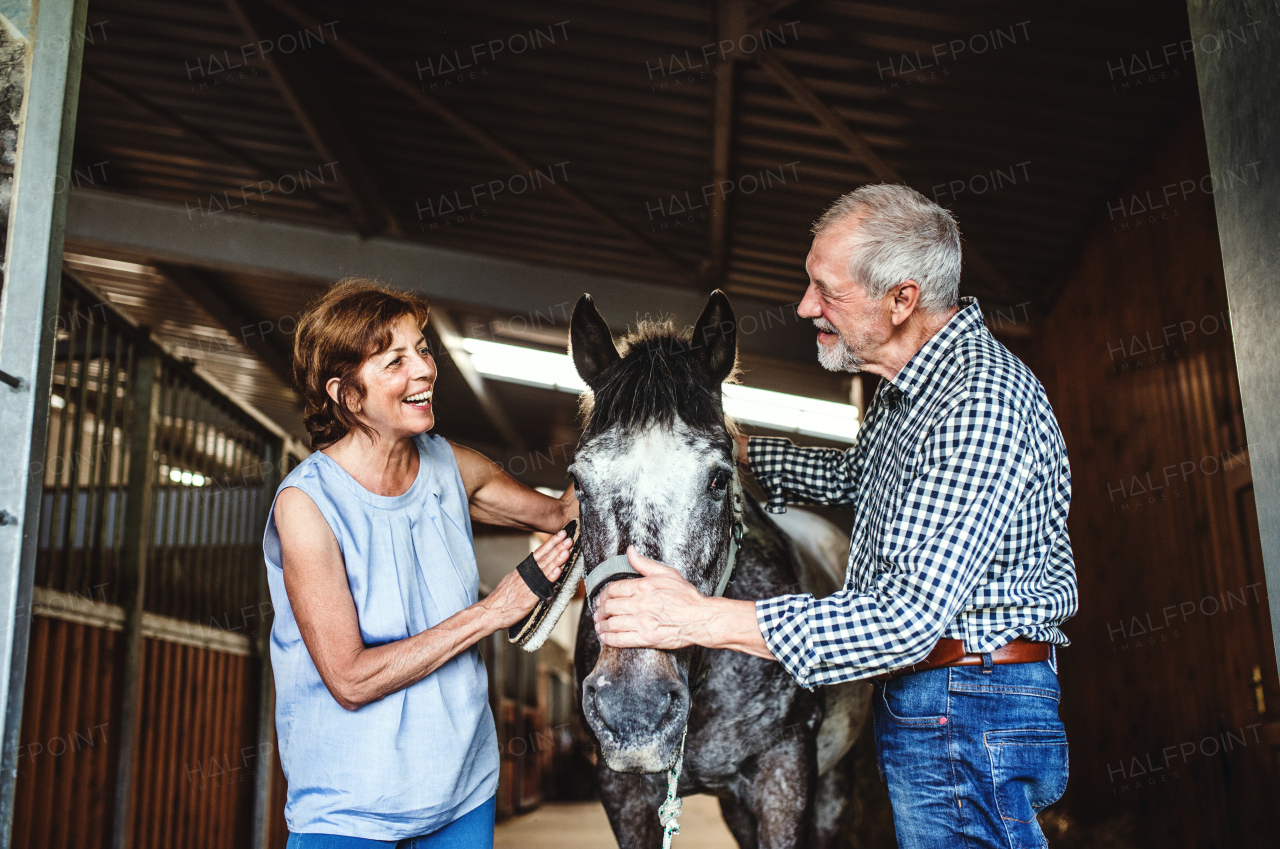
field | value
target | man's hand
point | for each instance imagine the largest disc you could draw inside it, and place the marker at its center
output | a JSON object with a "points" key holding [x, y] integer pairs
{"points": [[661, 610], [664, 611]]}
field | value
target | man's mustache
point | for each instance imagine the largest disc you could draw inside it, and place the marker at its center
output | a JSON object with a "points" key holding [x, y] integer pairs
{"points": [[825, 326]]}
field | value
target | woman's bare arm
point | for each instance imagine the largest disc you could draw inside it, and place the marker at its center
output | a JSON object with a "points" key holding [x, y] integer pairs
{"points": [[315, 579], [496, 498]]}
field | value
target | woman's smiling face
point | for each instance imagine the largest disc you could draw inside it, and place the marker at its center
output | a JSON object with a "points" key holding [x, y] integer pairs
{"points": [[399, 383]]}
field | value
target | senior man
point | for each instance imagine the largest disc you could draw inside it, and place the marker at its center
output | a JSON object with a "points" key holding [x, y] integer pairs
{"points": [[960, 569]]}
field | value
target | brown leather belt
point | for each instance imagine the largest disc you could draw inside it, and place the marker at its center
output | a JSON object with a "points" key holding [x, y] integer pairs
{"points": [[949, 652]]}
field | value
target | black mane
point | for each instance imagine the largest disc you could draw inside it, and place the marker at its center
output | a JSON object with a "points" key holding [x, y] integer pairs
{"points": [[657, 381]]}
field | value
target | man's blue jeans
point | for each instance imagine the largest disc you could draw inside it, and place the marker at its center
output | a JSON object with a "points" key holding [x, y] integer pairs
{"points": [[971, 754]]}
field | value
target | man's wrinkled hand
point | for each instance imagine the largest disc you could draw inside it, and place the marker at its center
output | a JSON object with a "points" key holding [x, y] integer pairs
{"points": [[660, 610]]}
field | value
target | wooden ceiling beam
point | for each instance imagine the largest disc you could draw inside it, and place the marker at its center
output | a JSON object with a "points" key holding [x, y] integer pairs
{"points": [[731, 23], [295, 75], [151, 231], [860, 147], [679, 270], [765, 10], [184, 126], [207, 289]]}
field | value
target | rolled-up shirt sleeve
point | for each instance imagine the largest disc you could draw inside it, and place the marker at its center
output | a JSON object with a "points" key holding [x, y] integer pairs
{"points": [[791, 475], [967, 481]]}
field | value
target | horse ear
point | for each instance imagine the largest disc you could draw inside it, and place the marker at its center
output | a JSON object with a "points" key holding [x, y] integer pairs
{"points": [[715, 336], [590, 341]]}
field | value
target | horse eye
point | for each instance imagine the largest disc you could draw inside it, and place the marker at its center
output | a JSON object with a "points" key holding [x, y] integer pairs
{"points": [[577, 486], [720, 481]]}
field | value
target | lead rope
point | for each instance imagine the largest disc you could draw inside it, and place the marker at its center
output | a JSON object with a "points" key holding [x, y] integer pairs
{"points": [[669, 812]]}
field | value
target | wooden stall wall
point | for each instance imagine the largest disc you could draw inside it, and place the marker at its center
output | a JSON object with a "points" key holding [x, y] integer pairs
{"points": [[66, 767], [198, 752], [1169, 689], [189, 512]]}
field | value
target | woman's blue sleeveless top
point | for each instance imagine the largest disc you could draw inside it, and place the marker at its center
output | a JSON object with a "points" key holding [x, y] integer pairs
{"points": [[420, 758]]}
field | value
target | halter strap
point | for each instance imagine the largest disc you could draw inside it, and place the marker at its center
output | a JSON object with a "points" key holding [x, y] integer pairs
{"points": [[607, 570]]}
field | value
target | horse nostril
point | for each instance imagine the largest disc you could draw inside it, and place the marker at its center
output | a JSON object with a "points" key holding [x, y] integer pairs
{"points": [[675, 702]]}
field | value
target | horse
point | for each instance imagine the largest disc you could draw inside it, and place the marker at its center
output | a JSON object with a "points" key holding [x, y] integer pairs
{"points": [[654, 468]]}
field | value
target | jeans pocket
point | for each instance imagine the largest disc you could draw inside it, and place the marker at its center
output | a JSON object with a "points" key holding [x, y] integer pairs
{"points": [[914, 703], [1029, 772]]}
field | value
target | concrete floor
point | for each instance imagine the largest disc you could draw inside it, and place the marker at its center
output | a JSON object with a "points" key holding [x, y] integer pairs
{"points": [[583, 825]]}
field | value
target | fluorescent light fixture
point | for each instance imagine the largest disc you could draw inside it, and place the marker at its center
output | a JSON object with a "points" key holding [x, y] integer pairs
{"points": [[776, 410], [524, 365], [782, 411]]}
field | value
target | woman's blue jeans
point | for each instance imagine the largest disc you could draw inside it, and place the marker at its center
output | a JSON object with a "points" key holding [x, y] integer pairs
{"points": [[472, 830], [971, 754]]}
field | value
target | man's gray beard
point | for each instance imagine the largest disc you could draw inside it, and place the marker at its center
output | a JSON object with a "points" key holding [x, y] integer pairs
{"points": [[837, 357]]}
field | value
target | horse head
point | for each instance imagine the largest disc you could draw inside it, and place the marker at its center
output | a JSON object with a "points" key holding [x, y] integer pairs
{"points": [[655, 470]]}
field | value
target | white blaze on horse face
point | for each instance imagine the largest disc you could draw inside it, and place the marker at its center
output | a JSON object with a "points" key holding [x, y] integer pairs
{"points": [[650, 488]]}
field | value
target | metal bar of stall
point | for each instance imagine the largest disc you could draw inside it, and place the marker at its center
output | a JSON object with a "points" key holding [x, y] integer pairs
{"points": [[229, 579], [166, 558], [77, 455], [217, 564], [184, 517], [65, 435], [162, 519], [107, 489], [274, 452], [236, 513], [50, 471], [33, 262], [194, 549], [133, 581], [95, 497], [122, 471]]}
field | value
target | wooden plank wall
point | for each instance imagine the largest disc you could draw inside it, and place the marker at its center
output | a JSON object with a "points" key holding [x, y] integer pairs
{"points": [[197, 753], [66, 769], [1167, 739], [197, 759]]}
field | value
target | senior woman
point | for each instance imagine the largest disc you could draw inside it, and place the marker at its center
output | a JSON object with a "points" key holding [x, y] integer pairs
{"points": [[382, 711]]}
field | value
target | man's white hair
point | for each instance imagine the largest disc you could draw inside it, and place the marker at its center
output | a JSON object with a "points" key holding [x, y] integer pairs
{"points": [[899, 234]]}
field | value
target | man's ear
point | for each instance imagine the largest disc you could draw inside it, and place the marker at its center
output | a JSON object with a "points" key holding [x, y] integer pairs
{"points": [[906, 297]]}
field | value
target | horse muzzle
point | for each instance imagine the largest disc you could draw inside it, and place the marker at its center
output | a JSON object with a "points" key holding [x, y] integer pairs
{"points": [[637, 704]]}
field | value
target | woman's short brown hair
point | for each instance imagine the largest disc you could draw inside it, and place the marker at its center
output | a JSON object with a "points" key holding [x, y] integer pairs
{"points": [[349, 323]]}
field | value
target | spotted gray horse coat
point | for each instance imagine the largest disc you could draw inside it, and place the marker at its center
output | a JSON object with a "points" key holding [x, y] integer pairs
{"points": [[777, 756]]}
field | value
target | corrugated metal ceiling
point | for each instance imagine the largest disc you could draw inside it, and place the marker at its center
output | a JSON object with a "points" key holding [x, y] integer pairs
{"points": [[1012, 114]]}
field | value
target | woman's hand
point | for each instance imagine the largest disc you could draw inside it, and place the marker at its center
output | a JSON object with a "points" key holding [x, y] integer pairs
{"points": [[512, 599]]}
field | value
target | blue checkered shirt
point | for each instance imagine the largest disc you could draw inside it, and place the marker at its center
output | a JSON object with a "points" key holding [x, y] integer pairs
{"points": [[960, 487]]}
